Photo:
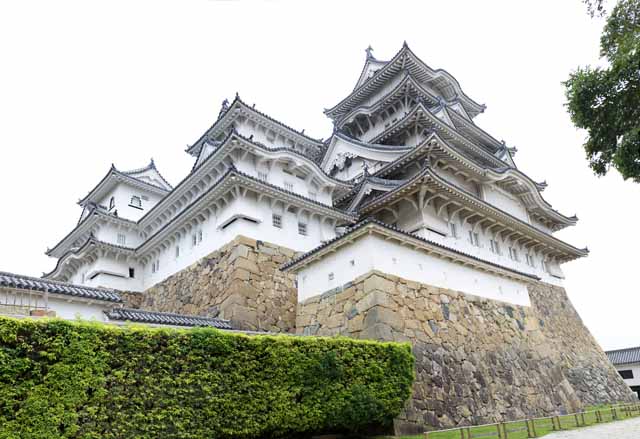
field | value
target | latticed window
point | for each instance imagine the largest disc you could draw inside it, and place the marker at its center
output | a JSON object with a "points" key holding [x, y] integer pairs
{"points": [[262, 176], [276, 220], [122, 239], [288, 186], [136, 202], [513, 253], [495, 246], [302, 229]]}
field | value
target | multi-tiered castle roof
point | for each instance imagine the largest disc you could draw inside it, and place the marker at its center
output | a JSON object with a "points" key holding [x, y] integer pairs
{"points": [[405, 158]]}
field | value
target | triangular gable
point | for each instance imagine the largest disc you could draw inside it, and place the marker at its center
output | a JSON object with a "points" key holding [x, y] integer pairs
{"points": [[150, 175]]}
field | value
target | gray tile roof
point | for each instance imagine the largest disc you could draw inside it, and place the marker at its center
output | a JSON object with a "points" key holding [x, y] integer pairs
{"points": [[370, 220], [624, 356], [163, 318], [19, 281]]}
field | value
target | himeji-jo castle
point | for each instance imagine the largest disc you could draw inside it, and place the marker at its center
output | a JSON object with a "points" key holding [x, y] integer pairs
{"points": [[409, 223], [406, 166]]}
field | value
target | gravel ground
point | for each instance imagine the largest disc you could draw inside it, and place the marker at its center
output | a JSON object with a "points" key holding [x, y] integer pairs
{"points": [[628, 429]]}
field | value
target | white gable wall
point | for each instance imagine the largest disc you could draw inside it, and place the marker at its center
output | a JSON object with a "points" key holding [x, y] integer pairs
{"points": [[374, 252], [122, 194]]}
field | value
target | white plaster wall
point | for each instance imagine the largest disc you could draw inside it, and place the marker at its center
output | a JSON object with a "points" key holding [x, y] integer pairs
{"points": [[373, 252], [72, 310], [505, 201], [214, 237], [66, 307], [635, 367], [108, 232], [108, 272], [122, 194], [459, 181]]}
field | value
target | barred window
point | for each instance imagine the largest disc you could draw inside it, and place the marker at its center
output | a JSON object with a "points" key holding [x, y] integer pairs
{"points": [[136, 202], [454, 230], [302, 229], [276, 220]]}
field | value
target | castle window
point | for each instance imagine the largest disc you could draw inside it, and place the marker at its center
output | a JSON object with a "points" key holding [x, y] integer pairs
{"points": [[530, 261], [474, 239], [112, 203], [288, 186], [626, 374], [454, 230], [276, 220], [122, 239], [177, 251], [302, 229], [194, 240], [136, 202], [262, 176], [513, 254], [132, 272], [495, 247], [352, 262], [199, 236], [331, 276]]}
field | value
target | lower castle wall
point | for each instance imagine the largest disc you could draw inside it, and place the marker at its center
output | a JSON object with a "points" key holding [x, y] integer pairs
{"points": [[477, 360], [241, 282]]}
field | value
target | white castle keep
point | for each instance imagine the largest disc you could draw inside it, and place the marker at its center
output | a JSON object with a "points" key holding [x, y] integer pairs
{"points": [[407, 184]]}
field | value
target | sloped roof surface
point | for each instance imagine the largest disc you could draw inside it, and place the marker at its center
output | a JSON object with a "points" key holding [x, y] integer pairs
{"points": [[163, 318], [624, 356], [18, 281]]}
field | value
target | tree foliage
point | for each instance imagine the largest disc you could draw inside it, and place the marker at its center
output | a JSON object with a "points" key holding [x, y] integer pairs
{"points": [[606, 101], [77, 380]]}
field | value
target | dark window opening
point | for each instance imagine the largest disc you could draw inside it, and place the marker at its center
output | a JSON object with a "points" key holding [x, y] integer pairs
{"points": [[136, 202], [132, 272], [626, 374]]}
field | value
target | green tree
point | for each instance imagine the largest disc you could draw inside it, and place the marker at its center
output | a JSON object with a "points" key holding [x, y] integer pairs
{"points": [[606, 101]]}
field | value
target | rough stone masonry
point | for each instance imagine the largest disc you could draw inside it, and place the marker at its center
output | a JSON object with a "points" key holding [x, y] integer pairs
{"points": [[477, 360]]}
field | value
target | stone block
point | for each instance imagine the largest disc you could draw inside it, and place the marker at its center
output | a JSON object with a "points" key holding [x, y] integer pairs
{"points": [[374, 298], [250, 266], [240, 239], [239, 251], [376, 282], [379, 331], [389, 317]]}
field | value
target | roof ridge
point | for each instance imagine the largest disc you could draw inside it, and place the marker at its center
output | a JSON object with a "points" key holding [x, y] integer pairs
{"points": [[172, 314]]}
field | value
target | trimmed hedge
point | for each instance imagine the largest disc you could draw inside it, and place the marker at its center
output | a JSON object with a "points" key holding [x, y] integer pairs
{"points": [[89, 380]]}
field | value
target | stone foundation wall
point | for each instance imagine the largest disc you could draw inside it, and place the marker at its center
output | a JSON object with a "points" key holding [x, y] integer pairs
{"points": [[477, 360], [241, 282]]}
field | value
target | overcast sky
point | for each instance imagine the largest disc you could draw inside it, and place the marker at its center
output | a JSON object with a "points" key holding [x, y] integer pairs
{"points": [[85, 84]]}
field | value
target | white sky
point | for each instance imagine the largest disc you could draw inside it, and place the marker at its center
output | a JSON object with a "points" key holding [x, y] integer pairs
{"points": [[84, 84]]}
